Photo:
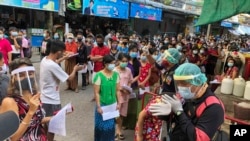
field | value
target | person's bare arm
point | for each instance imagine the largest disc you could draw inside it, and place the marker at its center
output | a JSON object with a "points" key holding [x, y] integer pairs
{"points": [[96, 58], [140, 121], [9, 104], [147, 78], [73, 73], [9, 56], [17, 46]]}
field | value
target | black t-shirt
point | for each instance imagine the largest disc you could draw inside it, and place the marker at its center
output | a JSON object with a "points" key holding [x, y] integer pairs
{"points": [[47, 42]]}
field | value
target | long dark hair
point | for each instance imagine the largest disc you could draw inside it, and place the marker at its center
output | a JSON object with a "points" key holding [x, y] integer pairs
{"points": [[136, 63]]}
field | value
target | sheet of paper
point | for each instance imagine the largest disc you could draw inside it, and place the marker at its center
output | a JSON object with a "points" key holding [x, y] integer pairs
{"points": [[57, 122], [215, 81], [74, 55], [109, 112], [132, 95], [141, 91], [127, 88], [83, 70]]}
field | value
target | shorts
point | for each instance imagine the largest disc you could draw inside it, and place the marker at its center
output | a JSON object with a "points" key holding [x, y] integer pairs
{"points": [[51, 109]]}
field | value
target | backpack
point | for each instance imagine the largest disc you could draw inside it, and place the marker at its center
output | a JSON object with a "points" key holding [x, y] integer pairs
{"points": [[219, 135]]}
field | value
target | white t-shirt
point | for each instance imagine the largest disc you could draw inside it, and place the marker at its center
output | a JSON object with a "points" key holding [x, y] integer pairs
{"points": [[51, 74]]}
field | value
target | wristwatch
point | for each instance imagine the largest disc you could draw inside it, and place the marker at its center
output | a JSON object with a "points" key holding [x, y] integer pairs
{"points": [[179, 113]]}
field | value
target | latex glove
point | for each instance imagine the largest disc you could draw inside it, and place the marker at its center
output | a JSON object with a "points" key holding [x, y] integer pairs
{"points": [[158, 109], [175, 102]]}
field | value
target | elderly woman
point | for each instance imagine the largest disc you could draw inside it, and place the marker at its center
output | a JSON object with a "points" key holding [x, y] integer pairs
{"points": [[24, 100], [106, 89], [71, 48]]}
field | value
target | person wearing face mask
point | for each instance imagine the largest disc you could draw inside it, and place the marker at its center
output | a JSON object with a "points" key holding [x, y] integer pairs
{"points": [[126, 78], [56, 36], [192, 120], [71, 49], [81, 58], [24, 99], [168, 65], [44, 48], [194, 57], [113, 49], [155, 72], [51, 75], [16, 43], [230, 70], [134, 64], [5, 48], [26, 50], [4, 79], [144, 75], [123, 47], [97, 54], [107, 91]]}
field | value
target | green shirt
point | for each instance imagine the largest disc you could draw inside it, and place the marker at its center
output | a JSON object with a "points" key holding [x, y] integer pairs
{"points": [[107, 87]]}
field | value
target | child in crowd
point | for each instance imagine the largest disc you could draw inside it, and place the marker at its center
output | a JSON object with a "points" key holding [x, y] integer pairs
{"points": [[144, 74], [126, 78]]}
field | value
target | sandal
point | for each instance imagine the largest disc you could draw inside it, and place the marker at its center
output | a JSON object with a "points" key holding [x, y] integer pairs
{"points": [[121, 137]]}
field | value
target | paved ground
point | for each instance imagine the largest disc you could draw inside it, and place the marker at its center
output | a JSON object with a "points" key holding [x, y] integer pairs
{"points": [[80, 123]]}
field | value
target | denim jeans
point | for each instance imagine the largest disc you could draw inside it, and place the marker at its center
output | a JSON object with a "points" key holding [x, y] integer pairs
{"points": [[83, 78]]}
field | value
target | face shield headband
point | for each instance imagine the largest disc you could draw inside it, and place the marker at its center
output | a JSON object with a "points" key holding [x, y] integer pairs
{"points": [[25, 79]]}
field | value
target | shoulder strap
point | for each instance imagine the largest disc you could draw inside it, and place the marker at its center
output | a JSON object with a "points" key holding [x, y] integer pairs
{"points": [[209, 101]]}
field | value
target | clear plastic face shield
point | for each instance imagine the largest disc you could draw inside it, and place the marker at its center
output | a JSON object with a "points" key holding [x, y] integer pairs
{"points": [[25, 80]]}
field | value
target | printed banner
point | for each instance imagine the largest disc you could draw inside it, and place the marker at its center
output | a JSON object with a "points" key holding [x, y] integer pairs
{"points": [[145, 12], [48, 5], [106, 8]]}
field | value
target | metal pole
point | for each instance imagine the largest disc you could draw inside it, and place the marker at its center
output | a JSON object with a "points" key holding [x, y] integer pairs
{"points": [[208, 31]]}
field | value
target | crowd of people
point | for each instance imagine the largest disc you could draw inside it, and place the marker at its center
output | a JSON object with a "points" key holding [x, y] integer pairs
{"points": [[181, 66]]}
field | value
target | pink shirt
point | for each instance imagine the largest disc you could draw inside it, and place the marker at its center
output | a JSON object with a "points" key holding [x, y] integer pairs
{"points": [[5, 48], [125, 77]]}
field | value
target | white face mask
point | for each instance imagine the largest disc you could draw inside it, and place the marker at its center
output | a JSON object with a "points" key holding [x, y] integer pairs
{"points": [[1, 36], [70, 40]]}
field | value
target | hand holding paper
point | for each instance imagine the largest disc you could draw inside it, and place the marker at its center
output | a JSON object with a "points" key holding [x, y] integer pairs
{"points": [[57, 122]]}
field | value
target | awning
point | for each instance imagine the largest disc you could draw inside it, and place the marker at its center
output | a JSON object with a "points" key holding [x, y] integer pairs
{"points": [[240, 30], [226, 24]]}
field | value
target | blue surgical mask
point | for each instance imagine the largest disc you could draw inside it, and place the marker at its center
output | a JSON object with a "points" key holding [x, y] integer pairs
{"points": [[186, 93], [14, 33], [143, 58], [230, 64], [155, 57], [179, 47], [133, 54], [111, 67], [56, 36]]}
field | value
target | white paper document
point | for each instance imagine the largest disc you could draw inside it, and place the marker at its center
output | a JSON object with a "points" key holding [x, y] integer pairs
{"points": [[83, 70], [57, 122], [109, 112], [215, 81], [142, 91], [72, 55], [127, 88]]}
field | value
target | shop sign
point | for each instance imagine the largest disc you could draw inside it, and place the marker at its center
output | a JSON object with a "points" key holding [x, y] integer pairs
{"points": [[145, 12], [48, 5], [107, 8]]}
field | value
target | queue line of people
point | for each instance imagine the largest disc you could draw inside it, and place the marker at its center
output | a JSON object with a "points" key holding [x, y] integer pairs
{"points": [[133, 66]]}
